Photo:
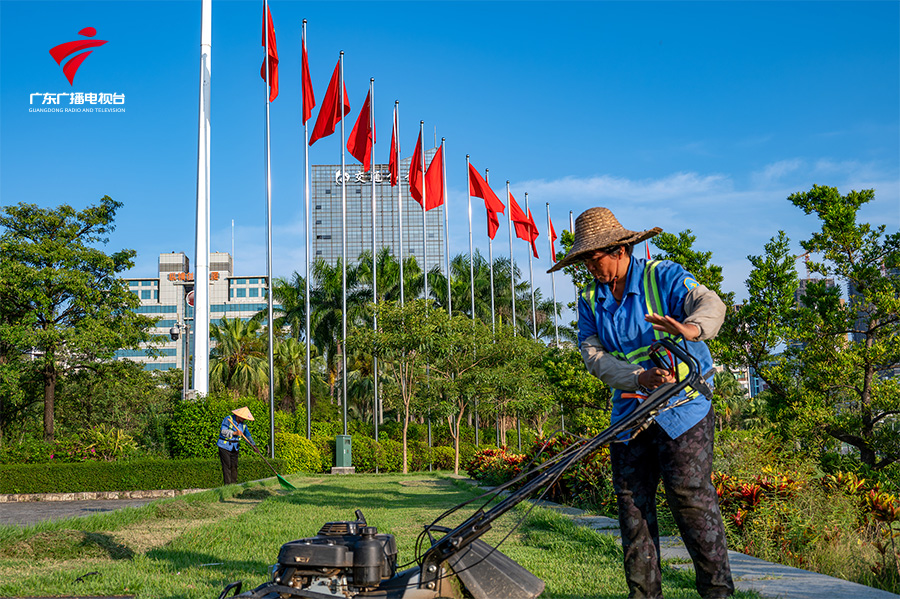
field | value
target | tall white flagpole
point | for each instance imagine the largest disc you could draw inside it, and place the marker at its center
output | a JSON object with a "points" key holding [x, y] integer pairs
{"points": [[471, 245], [572, 230], [374, 257], [424, 203], [201, 245], [471, 277], [552, 277], [399, 193], [487, 179], [512, 270], [308, 256], [531, 277], [271, 327], [446, 223], [343, 246]]}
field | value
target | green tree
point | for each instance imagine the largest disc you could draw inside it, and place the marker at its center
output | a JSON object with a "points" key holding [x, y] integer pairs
{"points": [[326, 306], [830, 365], [461, 361], [73, 309], [680, 249], [405, 336], [239, 361]]}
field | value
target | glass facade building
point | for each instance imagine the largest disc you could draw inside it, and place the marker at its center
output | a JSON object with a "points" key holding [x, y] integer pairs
{"points": [[325, 209], [165, 297]]}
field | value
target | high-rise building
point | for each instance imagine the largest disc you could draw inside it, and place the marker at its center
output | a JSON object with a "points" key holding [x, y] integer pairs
{"points": [[325, 199], [167, 296]]}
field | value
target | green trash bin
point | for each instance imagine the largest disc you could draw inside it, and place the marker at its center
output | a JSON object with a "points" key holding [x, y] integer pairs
{"points": [[343, 453]]}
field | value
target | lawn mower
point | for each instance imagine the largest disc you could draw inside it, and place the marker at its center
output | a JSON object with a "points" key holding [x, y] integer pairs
{"points": [[352, 560]]}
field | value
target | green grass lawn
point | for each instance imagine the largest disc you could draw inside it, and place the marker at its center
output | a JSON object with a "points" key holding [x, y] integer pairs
{"points": [[194, 545]]}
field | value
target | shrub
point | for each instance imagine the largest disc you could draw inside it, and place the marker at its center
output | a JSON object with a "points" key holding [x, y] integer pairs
{"points": [[443, 457], [194, 428], [325, 445], [392, 456], [145, 474], [366, 453], [299, 453]]}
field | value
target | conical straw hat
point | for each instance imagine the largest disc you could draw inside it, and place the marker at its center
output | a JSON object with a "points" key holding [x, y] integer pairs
{"points": [[598, 229], [243, 413]]}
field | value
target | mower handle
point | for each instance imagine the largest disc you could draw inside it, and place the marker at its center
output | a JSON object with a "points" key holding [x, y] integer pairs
{"points": [[479, 523]]}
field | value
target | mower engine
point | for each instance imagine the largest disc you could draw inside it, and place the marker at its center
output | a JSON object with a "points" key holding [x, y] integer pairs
{"points": [[342, 560]]}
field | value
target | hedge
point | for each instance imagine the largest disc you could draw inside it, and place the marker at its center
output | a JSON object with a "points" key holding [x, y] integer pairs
{"points": [[194, 428], [136, 475]]}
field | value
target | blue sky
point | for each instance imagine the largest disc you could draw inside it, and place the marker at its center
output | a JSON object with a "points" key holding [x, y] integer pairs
{"points": [[702, 115]]}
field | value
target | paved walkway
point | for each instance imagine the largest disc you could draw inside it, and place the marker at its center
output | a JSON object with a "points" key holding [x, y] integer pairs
{"points": [[33, 512], [773, 581]]}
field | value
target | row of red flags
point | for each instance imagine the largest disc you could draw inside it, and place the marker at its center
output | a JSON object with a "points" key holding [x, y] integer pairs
{"points": [[362, 138]]}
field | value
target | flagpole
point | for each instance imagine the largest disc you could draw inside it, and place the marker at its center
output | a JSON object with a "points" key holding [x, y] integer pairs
{"points": [[424, 203], [512, 270], [531, 275], [374, 261], [487, 179], [399, 192], [271, 327], [201, 244], [308, 252], [471, 278], [446, 224], [343, 245], [574, 284], [471, 246], [552, 277]]}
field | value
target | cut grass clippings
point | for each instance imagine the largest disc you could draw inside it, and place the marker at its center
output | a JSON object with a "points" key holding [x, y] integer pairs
{"points": [[192, 546]]}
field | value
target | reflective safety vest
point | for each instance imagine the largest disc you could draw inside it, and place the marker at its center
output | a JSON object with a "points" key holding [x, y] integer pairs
{"points": [[228, 442], [651, 287], [653, 305]]}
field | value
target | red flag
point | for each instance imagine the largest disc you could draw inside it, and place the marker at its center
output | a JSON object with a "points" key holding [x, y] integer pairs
{"points": [[534, 234], [309, 99], [519, 219], [393, 165], [415, 172], [647, 247], [434, 181], [479, 188], [272, 79], [330, 112], [553, 238], [362, 137]]}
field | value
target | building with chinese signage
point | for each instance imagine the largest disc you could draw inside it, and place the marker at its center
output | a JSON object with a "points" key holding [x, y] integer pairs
{"points": [[325, 209], [167, 295]]}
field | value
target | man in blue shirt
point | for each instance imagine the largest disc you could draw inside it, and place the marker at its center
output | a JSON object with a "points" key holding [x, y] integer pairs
{"points": [[231, 432], [631, 303]]}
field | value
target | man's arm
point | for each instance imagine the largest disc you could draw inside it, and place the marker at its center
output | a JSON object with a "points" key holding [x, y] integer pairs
{"points": [[616, 373]]}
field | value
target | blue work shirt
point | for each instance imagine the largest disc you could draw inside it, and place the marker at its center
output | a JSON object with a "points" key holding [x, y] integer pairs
{"points": [[229, 425], [624, 333]]}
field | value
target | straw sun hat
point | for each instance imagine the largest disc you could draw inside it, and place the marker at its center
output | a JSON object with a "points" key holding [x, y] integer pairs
{"points": [[243, 413], [597, 229]]}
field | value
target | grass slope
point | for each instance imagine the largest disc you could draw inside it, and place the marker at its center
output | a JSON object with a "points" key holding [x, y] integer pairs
{"points": [[192, 546]]}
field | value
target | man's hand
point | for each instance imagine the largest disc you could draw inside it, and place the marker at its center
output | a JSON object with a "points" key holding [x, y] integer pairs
{"points": [[654, 377], [667, 324]]}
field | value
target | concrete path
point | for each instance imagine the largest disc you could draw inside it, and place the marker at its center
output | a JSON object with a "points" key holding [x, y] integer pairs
{"points": [[770, 580], [33, 512]]}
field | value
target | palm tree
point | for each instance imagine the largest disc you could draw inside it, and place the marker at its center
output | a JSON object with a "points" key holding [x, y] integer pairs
{"points": [[290, 373], [239, 357], [326, 305], [289, 305], [388, 272]]}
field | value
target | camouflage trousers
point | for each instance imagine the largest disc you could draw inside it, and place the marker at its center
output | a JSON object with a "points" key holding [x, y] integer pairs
{"points": [[685, 465]]}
